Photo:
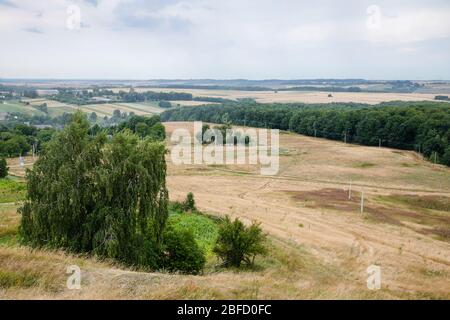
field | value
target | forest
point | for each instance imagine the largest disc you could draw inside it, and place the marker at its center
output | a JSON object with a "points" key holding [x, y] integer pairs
{"points": [[420, 126]]}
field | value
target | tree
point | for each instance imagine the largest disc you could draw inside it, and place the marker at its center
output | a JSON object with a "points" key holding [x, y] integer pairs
{"points": [[88, 194], [165, 104], [93, 117], [117, 114], [237, 243], [3, 168], [142, 129]]}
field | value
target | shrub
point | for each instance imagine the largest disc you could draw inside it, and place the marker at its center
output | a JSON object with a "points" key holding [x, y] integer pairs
{"points": [[181, 252], [189, 203], [237, 243], [3, 168]]}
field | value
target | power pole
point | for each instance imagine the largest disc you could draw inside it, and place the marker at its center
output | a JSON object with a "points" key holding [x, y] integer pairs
{"points": [[362, 202], [345, 137], [315, 133], [350, 191]]}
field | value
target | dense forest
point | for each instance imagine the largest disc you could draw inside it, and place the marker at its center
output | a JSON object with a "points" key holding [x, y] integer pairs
{"points": [[17, 138], [20, 139], [420, 126]]}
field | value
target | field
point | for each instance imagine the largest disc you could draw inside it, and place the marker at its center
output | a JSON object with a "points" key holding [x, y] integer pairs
{"points": [[16, 106], [102, 109], [321, 245], [300, 96]]}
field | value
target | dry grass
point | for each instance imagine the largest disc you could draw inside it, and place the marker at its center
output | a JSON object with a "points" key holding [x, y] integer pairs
{"points": [[321, 244], [299, 96], [388, 234]]}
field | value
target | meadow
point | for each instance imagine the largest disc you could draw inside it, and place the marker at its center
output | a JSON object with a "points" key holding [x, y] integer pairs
{"points": [[320, 243]]}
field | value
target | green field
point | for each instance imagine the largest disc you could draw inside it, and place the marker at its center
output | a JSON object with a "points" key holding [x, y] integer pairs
{"points": [[12, 190], [204, 229], [17, 106]]}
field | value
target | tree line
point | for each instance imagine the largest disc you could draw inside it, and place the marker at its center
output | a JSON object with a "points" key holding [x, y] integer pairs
{"points": [[420, 126], [19, 139]]}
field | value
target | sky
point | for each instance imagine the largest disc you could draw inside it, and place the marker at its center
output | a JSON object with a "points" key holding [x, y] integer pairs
{"points": [[232, 39]]}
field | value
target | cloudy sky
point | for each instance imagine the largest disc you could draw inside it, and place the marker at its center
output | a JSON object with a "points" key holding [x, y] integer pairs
{"points": [[254, 39]]}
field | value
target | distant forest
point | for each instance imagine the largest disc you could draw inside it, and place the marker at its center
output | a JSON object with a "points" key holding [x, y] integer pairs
{"points": [[420, 126]]}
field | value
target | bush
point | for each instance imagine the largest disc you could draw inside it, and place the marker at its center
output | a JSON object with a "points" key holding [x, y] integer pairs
{"points": [[3, 168], [237, 243], [189, 203], [181, 252]]}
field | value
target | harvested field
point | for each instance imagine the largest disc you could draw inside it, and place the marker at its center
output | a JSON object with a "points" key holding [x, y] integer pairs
{"points": [[299, 96]]}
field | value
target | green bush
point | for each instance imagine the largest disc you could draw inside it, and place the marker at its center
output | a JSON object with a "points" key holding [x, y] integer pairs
{"points": [[181, 252], [3, 168], [189, 203], [237, 243]]}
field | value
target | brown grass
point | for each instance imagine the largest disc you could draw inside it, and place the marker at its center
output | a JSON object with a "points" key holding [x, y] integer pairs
{"points": [[299, 96], [321, 244]]}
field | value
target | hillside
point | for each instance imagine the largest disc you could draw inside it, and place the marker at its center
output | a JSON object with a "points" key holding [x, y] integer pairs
{"points": [[321, 245]]}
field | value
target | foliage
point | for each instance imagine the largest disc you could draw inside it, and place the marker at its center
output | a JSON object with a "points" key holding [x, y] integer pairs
{"points": [[150, 127], [88, 194], [3, 168], [12, 190], [237, 243], [165, 104], [17, 139], [203, 228], [189, 203], [181, 252]]}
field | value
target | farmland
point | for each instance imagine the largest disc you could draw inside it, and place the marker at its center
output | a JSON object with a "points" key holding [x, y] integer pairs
{"points": [[103, 109], [321, 244], [300, 96]]}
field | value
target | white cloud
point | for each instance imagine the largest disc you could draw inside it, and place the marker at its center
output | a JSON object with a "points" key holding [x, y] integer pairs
{"points": [[224, 39]]}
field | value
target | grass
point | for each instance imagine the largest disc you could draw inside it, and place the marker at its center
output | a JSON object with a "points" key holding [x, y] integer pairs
{"points": [[12, 190], [17, 106], [10, 279], [204, 229], [364, 165], [424, 202]]}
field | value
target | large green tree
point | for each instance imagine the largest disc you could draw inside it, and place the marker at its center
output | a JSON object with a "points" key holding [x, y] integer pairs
{"points": [[89, 194]]}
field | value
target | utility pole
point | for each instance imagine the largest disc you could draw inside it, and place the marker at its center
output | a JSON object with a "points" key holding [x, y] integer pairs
{"points": [[315, 133], [350, 191], [345, 137], [362, 202]]}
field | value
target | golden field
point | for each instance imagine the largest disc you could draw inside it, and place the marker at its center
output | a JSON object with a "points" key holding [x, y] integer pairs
{"points": [[321, 245], [298, 96]]}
